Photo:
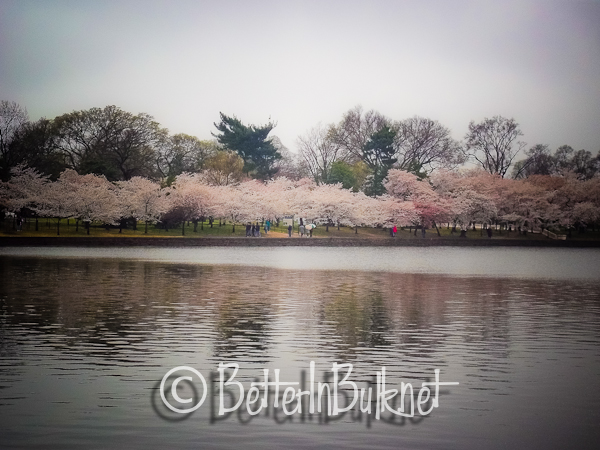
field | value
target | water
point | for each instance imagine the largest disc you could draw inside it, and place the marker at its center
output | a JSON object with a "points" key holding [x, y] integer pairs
{"points": [[86, 336]]}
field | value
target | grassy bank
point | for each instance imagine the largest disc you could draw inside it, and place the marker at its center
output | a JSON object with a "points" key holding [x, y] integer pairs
{"points": [[48, 228]]}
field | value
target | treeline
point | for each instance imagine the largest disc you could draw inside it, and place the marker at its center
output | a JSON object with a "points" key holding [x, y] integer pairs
{"points": [[462, 199], [107, 141], [357, 152]]}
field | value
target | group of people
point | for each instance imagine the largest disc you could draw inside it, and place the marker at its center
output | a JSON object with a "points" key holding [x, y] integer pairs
{"points": [[302, 230], [305, 230], [253, 230]]}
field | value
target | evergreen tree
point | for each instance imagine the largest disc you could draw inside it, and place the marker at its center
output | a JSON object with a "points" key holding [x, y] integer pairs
{"points": [[251, 143], [378, 154]]}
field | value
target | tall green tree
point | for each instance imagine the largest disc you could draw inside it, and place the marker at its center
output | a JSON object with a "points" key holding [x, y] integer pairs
{"points": [[12, 118], [35, 145], [184, 153], [110, 142], [378, 154], [352, 176], [251, 142]]}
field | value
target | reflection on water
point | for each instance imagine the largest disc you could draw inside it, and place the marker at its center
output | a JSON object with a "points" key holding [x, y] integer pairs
{"points": [[83, 343], [547, 263]]}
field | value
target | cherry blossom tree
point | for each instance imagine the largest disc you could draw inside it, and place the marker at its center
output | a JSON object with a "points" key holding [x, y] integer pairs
{"points": [[429, 207], [191, 199], [231, 204], [393, 211], [332, 204], [278, 197], [58, 199], [300, 200], [23, 190], [364, 211], [142, 199], [95, 200]]}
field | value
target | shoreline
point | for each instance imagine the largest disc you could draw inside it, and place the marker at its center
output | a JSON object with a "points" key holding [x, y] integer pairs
{"points": [[58, 241]]}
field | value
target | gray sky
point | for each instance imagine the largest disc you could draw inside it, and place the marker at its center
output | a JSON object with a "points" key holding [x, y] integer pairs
{"points": [[304, 62]]}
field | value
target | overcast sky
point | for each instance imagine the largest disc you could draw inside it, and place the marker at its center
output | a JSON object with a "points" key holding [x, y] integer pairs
{"points": [[304, 62]]}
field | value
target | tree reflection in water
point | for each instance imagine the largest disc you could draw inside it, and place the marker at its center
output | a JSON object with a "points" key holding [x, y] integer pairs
{"points": [[102, 332]]}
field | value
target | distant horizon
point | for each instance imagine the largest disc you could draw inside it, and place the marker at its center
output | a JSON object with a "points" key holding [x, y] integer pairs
{"points": [[303, 63]]}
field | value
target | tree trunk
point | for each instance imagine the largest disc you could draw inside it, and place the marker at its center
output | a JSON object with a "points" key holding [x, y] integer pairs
{"points": [[76, 225], [436, 229], [58, 227], [88, 226], [183, 228], [146, 227], [356, 229], [36, 224], [233, 230]]}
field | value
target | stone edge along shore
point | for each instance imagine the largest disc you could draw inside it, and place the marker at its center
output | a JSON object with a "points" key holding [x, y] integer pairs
{"points": [[280, 242]]}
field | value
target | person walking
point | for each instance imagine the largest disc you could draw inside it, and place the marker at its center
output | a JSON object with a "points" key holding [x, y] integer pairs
{"points": [[394, 231], [267, 225], [301, 230], [290, 230], [248, 230]]}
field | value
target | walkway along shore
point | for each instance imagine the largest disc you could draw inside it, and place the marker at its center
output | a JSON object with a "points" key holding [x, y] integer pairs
{"points": [[281, 242]]}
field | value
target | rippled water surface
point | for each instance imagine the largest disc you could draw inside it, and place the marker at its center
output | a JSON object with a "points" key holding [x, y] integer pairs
{"points": [[87, 335]]}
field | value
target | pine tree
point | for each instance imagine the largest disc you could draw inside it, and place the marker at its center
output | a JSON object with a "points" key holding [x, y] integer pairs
{"points": [[251, 143], [378, 154]]}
